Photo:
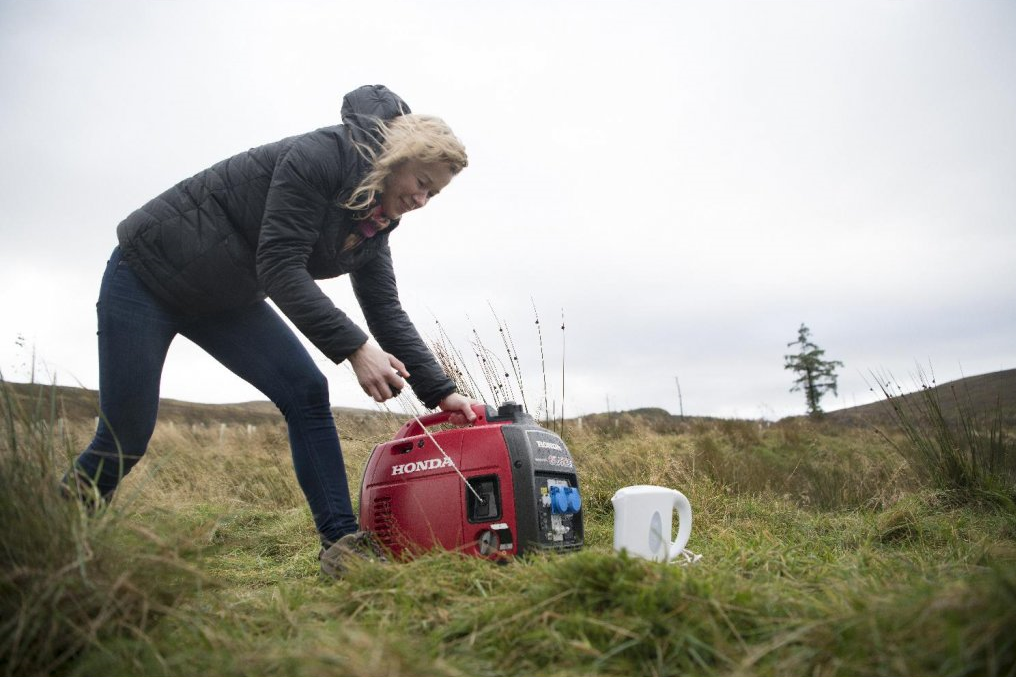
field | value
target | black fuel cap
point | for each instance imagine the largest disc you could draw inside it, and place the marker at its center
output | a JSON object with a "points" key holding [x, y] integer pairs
{"points": [[509, 409]]}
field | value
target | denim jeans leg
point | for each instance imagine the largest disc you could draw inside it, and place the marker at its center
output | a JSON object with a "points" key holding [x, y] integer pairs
{"points": [[135, 331], [257, 345]]}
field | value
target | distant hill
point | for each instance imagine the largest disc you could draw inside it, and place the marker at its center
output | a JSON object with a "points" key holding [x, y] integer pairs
{"points": [[981, 395], [74, 403]]}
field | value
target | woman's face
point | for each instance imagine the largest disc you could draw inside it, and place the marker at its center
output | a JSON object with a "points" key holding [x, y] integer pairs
{"points": [[411, 185]]}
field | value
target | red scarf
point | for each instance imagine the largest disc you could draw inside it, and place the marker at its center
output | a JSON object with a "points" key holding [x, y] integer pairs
{"points": [[375, 221]]}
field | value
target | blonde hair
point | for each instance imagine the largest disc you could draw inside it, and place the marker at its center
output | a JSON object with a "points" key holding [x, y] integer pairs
{"points": [[412, 136]]}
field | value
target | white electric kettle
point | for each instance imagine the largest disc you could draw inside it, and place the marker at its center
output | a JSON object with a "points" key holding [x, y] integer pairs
{"points": [[642, 522]]}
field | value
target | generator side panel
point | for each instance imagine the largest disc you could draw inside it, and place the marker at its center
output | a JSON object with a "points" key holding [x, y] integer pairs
{"points": [[408, 493]]}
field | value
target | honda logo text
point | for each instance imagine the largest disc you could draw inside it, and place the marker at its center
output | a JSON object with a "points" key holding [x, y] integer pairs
{"points": [[410, 467]]}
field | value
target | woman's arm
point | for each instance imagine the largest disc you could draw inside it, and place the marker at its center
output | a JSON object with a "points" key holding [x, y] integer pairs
{"points": [[295, 208], [377, 292]]}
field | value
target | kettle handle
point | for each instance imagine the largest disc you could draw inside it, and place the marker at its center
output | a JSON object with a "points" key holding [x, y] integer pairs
{"points": [[416, 426], [683, 508]]}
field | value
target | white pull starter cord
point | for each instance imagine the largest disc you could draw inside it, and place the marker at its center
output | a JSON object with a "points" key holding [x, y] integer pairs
{"points": [[409, 407]]}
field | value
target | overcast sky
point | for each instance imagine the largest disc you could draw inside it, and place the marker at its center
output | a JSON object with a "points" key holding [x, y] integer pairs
{"points": [[687, 182]]}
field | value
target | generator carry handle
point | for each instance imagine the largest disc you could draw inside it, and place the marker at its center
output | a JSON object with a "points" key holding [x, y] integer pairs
{"points": [[414, 428]]}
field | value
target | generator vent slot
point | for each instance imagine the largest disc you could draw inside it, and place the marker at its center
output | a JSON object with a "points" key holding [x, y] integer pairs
{"points": [[383, 522]]}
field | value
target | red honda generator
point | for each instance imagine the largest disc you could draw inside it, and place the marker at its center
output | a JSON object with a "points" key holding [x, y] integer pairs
{"points": [[500, 487]]}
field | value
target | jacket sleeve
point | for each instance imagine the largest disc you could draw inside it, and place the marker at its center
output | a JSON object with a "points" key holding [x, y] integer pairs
{"points": [[377, 292], [295, 207]]}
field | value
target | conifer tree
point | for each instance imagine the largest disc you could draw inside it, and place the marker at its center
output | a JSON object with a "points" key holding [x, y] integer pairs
{"points": [[816, 376]]}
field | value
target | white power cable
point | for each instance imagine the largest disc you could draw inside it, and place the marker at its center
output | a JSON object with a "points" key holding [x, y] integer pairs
{"points": [[690, 556]]}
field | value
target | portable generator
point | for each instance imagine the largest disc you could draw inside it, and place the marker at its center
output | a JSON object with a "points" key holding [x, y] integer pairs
{"points": [[498, 488]]}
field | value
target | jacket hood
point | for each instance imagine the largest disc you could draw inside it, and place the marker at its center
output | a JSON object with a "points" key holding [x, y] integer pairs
{"points": [[365, 106]]}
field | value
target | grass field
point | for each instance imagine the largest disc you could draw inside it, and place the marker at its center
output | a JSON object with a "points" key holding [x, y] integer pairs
{"points": [[827, 549]]}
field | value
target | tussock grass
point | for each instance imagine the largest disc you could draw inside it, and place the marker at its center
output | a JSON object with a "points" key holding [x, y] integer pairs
{"points": [[824, 553], [969, 455], [68, 581]]}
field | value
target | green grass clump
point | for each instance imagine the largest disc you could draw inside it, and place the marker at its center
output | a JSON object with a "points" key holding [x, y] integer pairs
{"points": [[781, 590], [69, 581], [966, 453]]}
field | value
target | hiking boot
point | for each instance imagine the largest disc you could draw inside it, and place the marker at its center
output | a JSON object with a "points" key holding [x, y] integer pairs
{"points": [[360, 545]]}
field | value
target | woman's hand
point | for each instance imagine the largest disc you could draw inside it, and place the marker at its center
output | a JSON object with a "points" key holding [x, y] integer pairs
{"points": [[460, 407], [379, 373]]}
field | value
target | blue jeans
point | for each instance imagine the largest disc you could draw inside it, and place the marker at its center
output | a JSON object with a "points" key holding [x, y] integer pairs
{"points": [[135, 331]]}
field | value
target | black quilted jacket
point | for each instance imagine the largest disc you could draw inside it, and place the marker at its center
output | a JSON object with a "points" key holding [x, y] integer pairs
{"points": [[268, 222]]}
